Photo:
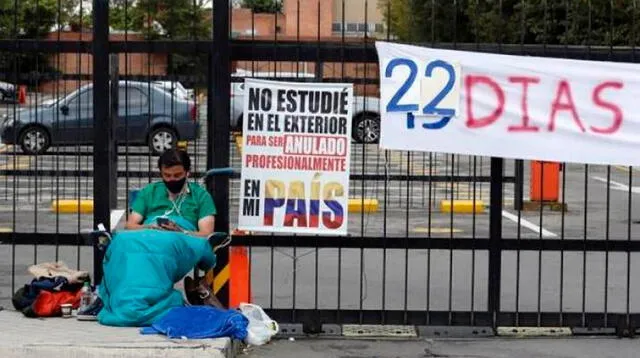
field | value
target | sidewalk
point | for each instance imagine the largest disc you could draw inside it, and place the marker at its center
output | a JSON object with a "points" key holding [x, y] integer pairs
{"points": [[69, 338]]}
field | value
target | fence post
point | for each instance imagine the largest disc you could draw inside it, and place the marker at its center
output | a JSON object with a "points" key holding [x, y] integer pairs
{"points": [[518, 191], [219, 87], [114, 78], [102, 126], [495, 237]]}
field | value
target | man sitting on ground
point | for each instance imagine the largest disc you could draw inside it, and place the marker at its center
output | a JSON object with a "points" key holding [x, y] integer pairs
{"points": [[174, 198], [169, 231]]}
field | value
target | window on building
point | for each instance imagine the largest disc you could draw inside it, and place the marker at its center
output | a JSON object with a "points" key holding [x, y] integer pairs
{"points": [[362, 27], [352, 27], [336, 27]]}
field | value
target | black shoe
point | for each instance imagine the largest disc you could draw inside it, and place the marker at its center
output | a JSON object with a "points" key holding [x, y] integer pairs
{"points": [[90, 313]]}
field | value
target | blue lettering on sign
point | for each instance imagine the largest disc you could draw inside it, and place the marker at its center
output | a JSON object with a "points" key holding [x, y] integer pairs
{"points": [[430, 108], [393, 105], [411, 122]]}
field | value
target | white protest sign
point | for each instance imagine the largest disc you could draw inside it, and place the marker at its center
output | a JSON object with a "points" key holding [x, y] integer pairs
{"points": [[508, 106], [295, 157]]}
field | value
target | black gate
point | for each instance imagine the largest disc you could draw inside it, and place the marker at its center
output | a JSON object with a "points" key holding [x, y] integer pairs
{"points": [[408, 259]]}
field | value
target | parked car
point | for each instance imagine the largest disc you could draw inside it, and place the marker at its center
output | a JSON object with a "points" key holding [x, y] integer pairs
{"points": [[8, 92], [148, 115], [177, 88], [366, 110]]}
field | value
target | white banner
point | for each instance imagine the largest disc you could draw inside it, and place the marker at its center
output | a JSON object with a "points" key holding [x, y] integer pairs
{"points": [[509, 106], [295, 157]]}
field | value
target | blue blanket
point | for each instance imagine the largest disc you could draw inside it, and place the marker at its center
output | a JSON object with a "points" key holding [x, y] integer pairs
{"points": [[140, 270], [200, 322]]}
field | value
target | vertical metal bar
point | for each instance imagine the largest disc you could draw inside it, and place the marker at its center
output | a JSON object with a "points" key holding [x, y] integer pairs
{"points": [[455, 24], [562, 235], [318, 78], [518, 192], [385, 192], [433, 22], [57, 123], [429, 219], [629, 216], [495, 237], [78, 159], [473, 240], [449, 305], [342, 64], [113, 117], [584, 249], [406, 240], [607, 227], [295, 249], [218, 131], [540, 250], [36, 157], [364, 158], [15, 181], [103, 127]]}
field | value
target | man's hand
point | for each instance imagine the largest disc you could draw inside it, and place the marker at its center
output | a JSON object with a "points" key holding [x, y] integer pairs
{"points": [[170, 226]]}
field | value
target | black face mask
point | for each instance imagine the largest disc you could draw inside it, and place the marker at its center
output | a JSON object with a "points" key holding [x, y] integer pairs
{"points": [[175, 186]]}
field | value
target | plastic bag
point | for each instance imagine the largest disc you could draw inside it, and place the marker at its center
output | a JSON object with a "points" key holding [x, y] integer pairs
{"points": [[261, 327]]}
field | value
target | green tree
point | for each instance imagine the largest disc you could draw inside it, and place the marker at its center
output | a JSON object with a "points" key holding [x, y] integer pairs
{"points": [[571, 22], [30, 19], [27, 18], [174, 19], [258, 6]]}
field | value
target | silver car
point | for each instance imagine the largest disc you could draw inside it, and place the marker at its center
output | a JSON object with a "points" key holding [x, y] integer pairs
{"points": [[148, 115], [366, 110]]}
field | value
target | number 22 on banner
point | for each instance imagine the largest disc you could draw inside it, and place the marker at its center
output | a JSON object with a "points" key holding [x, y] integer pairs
{"points": [[439, 91]]}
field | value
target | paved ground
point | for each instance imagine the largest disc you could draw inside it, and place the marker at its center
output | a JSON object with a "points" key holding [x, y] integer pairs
{"points": [[372, 278], [60, 337], [451, 348]]}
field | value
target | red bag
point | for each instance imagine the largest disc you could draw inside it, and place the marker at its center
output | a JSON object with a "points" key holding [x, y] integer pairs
{"points": [[47, 304]]}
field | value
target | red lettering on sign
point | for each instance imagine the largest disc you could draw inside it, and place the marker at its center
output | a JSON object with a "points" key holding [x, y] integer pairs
{"points": [[524, 81], [472, 121], [617, 112], [564, 90]]}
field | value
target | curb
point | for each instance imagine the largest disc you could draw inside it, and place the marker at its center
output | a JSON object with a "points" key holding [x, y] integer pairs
{"points": [[462, 206], [533, 332], [71, 206], [528, 205], [354, 331], [358, 205]]}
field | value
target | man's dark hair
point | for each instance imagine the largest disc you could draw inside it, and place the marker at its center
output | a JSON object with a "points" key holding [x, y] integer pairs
{"points": [[173, 157]]}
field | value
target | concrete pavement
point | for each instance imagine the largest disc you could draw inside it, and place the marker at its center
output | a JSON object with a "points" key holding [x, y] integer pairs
{"points": [[451, 348], [66, 337]]}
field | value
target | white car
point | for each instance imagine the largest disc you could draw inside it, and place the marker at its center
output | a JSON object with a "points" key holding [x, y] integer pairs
{"points": [[366, 110], [8, 92]]}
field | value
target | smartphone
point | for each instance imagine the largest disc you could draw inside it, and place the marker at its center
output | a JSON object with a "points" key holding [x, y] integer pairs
{"points": [[163, 221]]}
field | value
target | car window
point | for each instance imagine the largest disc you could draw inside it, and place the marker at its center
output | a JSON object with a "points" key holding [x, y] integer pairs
{"points": [[84, 99], [129, 96]]}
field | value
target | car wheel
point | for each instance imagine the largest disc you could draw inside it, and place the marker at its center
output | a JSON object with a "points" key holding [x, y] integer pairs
{"points": [[34, 140], [366, 128], [162, 139]]}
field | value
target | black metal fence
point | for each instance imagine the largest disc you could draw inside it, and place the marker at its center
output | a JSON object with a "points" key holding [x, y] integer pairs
{"points": [[409, 261]]}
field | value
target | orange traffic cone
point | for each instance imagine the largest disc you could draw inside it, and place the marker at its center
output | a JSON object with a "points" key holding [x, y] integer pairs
{"points": [[239, 284], [22, 95]]}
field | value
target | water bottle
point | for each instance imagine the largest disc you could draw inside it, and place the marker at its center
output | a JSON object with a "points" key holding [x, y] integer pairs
{"points": [[86, 298]]}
